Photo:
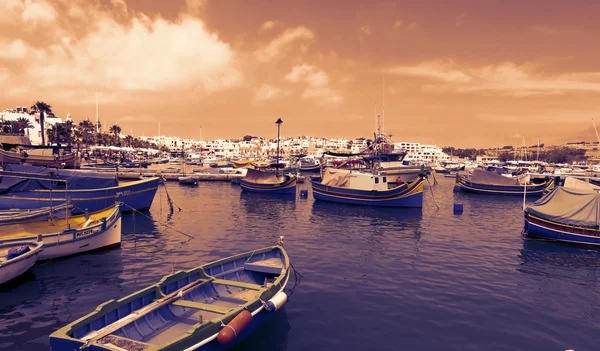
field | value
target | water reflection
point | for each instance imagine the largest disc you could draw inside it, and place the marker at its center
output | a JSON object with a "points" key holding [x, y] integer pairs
{"points": [[272, 336], [333, 213], [561, 261], [275, 208]]}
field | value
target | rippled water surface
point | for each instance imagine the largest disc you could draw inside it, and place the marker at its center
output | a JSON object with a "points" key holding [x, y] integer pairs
{"points": [[373, 279]]}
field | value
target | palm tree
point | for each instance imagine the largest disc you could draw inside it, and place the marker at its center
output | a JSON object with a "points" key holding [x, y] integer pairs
{"points": [[42, 108], [21, 124], [116, 130]]}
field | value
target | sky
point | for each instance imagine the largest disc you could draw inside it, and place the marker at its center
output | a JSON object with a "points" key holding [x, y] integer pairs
{"points": [[460, 73]]}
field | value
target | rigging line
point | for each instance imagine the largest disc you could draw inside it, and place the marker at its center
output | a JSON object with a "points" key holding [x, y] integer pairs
{"points": [[163, 223], [430, 188]]}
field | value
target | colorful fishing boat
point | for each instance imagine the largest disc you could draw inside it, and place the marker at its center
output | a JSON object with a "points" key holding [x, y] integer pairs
{"points": [[482, 182], [44, 213], [26, 187], [268, 182], [59, 161], [363, 188], [210, 307], [17, 258], [309, 164], [569, 213], [69, 235]]}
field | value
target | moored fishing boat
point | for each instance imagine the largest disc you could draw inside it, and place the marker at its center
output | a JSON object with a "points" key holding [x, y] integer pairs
{"points": [[363, 188], [19, 215], [213, 306], [567, 215], [10, 157], [69, 235], [17, 258], [482, 182], [267, 182], [26, 187]]}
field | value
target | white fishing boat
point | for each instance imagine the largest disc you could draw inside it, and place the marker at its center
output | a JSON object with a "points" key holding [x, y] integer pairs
{"points": [[17, 258], [70, 235]]}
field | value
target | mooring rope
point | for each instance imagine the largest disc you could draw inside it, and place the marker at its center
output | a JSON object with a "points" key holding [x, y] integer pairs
{"points": [[430, 188]]}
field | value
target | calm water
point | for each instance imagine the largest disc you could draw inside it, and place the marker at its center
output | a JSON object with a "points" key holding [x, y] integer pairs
{"points": [[374, 279]]}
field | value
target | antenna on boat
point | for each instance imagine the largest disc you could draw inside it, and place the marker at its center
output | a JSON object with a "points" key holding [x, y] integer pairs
{"points": [[278, 122], [596, 130], [383, 103]]}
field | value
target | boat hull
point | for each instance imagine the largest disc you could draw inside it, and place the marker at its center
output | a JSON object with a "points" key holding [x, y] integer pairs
{"points": [[23, 216], [287, 187], [463, 185], [8, 157], [21, 264], [410, 195], [547, 230], [75, 241], [136, 195]]}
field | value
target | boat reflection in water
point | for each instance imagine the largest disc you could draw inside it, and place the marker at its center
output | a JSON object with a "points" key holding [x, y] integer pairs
{"points": [[559, 261], [268, 207]]}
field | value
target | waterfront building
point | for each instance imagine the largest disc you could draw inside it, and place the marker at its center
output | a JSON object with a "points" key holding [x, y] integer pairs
{"points": [[34, 133]]}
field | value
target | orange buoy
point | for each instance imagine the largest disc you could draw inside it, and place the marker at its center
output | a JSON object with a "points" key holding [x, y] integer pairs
{"points": [[234, 328], [399, 181]]}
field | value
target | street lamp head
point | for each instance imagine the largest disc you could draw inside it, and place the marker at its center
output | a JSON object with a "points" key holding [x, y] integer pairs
{"points": [[279, 121]]}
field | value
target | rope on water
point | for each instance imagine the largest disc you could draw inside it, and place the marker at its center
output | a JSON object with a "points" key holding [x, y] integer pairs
{"points": [[170, 201], [430, 188]]}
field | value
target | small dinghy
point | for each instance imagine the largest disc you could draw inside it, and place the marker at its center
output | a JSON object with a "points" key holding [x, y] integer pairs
{"points": [[213, 306], [17, 258], [189, 180]]}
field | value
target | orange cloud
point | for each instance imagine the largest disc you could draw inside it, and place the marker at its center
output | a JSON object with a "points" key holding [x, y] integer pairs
{"points": [[281, 43]]}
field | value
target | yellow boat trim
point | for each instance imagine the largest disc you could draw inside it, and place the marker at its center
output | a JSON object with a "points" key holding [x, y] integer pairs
{"points": [[51, 226]]}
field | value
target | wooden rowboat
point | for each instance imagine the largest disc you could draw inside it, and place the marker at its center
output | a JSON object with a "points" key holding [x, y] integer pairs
{"points": [[17, 258], [213, 306]]}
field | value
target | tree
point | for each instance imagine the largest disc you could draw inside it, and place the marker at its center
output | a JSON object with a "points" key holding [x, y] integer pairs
{"points": [[42, 108], [20, 125], [115, 129]]}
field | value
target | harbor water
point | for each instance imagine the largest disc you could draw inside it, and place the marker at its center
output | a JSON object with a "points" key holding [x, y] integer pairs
{"points": [[372, 278]]}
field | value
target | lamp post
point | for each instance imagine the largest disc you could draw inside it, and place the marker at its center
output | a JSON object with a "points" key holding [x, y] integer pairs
{"points": [[278, 122]]}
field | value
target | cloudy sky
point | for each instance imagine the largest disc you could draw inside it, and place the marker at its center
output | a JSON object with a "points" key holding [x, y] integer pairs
{"points": [[462, 73]]}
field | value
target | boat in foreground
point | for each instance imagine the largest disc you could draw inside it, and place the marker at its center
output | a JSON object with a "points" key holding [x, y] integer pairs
{"points": [[68, 236], [268, 183], [17, 258], [363, 188], [483, 182], [565, 214], [213, 306]]}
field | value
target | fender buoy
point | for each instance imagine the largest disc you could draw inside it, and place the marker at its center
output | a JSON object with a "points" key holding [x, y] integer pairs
{"points": [[276, 302], [399, 181], [234, 328]]}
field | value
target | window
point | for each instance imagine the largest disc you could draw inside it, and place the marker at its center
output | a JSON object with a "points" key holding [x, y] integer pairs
{"points": [[385, 179], [376, 180]]}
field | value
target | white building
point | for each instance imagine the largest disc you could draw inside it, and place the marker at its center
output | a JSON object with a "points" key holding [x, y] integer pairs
{"points": [[35, 133]]}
